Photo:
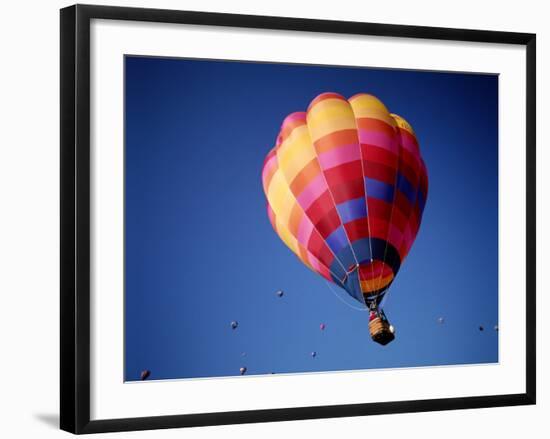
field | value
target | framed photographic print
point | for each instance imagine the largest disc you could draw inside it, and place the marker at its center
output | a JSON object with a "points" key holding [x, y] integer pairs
{"points": [[267, 218]]}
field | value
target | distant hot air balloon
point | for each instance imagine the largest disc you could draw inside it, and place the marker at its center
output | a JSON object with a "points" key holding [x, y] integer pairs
{"points": [[280, 293], [440, 320], [242, 370], [481, 328], [234, 324], [346, 186], [322, 326], [145, 374], [496, 327], [314, 354]]}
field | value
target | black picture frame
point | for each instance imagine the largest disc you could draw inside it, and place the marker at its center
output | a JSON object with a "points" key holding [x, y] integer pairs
{"points": [[75, 217]]}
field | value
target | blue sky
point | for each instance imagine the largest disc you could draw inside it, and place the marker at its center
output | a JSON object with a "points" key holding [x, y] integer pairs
{"points": [[200, 252]]}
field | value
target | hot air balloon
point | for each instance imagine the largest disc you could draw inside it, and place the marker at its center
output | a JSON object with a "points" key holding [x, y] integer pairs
{"points": [[145, 374], [242, 370], [346, 187], [314, 354], [280, 293], [322, 326], [234, 324]]}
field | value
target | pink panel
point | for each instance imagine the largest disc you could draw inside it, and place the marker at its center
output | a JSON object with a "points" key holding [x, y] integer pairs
{"points": [[312, 191], [342, 154]]}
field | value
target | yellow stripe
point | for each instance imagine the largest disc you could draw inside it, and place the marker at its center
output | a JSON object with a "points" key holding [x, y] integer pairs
{"points": [[295, 152], [327, 105], [290, 241], [403, 124], [320, 129], [282, 201], [367, 102], [329, 116], [372, 107], [280, 197]]}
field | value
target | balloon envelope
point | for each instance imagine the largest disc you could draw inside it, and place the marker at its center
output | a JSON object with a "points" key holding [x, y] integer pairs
{"points": [[346, 187]]}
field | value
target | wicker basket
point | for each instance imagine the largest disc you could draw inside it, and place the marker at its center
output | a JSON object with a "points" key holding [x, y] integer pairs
{"points": [[380, 331]]}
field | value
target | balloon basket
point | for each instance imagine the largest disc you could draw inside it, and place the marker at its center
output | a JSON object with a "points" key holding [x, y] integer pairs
{"points": [[381, 331]]}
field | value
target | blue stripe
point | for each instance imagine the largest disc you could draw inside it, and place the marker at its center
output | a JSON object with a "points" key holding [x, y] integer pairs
{"points": [[361, 248], [352, 210], [406, 188], [337, 240], [381, 250], [345, 256], [353, 286], [337, 272], [379, 189]]}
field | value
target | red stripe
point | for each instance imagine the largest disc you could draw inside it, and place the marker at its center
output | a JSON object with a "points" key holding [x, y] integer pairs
{"points": [[410, 159], [328, 223], [320, 207], [402, 203], [318, 247], [324, 97], [357, 229], [408, 137], [371, 124], [382, 156], [409, 166], [344, 173], [409, 173], [378, 228], [348, 191], [334, 139], [379, 209], [399, 219], [380, 172], [372, 270]]}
